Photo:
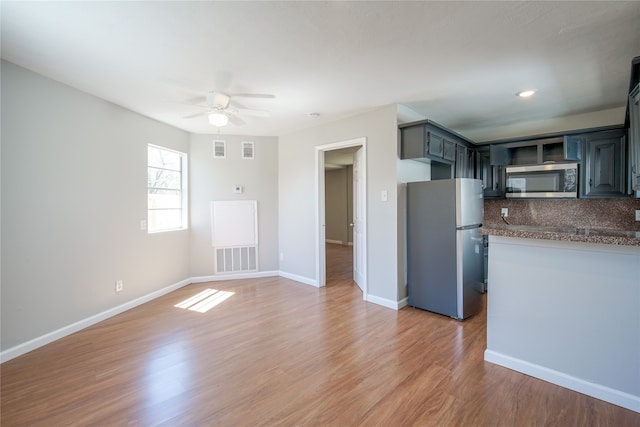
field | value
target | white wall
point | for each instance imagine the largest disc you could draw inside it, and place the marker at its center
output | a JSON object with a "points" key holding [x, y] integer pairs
{"points": [[408, 171], [73, 194], [213, 180], [298, 202]]}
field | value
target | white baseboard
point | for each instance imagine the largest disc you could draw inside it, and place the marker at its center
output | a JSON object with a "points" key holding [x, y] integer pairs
{"points": [[616, 397], [384, 302], [35, 343], [337, 242], [233, 276], [297, 278]]}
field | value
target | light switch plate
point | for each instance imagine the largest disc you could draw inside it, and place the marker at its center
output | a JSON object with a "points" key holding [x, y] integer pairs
{"points": [[637, 214]]}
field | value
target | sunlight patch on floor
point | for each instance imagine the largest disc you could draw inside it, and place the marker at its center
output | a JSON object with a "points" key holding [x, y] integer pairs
{"points": [[205, 300]]}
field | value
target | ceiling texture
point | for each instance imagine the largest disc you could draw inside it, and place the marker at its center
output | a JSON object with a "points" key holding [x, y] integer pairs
{"points": [[456, 63]]}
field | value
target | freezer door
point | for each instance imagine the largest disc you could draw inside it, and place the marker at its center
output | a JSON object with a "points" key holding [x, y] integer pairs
{"points": [[470, 272], [469, 202]]}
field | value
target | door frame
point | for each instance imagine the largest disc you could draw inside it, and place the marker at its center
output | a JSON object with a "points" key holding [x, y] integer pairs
{"points": [[321, 272]]}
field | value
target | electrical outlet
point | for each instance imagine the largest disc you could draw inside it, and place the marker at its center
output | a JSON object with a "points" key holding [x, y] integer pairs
{"points": [[504, 212], [119, 286], [637, 214]]}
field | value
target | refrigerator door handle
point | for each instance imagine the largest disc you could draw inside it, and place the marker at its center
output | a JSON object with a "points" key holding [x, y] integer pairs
{"points": [[468, 227]]}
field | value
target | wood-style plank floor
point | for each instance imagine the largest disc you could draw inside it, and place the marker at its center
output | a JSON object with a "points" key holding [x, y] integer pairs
{"points": [[277, 352]]}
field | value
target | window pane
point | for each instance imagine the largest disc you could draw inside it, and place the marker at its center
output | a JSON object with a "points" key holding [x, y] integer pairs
{"points": [[163, 199], [163, 158], [165, 219], [159, 178]]}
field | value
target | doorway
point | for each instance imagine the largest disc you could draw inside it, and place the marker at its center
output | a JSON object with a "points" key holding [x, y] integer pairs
{"points": [[354, 152]]}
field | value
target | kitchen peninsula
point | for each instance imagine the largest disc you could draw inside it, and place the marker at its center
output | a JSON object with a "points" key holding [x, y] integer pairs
{"points": [[564, 306]]}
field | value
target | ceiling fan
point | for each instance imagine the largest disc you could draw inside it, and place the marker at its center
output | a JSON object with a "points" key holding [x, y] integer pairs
{"points": [[220, 111]]}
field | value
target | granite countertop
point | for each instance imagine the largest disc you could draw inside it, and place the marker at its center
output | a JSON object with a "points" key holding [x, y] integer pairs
{"points": [[588, 235]]}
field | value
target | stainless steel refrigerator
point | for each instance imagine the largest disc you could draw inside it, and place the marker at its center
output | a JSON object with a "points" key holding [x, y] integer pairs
{"points": [[445, 268]]}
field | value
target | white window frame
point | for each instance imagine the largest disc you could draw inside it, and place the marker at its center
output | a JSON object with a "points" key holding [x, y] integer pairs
{"points": [[183, 191]]}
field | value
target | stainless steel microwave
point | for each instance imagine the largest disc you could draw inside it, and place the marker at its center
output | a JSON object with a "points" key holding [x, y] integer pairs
{"points": [[550, 180]]}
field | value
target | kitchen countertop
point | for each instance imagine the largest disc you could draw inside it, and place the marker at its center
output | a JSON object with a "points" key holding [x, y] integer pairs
{"points": [[588, 235]]}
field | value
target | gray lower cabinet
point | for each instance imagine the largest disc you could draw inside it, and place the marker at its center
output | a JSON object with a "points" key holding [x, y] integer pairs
{"points": [[603, 172]]}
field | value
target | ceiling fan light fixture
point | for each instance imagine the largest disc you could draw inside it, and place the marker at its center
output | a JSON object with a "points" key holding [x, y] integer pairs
{"points": [[525, 93], [218, 119]]}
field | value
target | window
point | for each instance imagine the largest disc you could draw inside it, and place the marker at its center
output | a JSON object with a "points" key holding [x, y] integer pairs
{"points": [[166, 195]]}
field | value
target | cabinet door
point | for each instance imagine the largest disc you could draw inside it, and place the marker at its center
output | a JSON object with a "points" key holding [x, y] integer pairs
{"points": [[491, 176], [461, 161], [604, 168], [412, 142], [448, 150], [436, 144]]}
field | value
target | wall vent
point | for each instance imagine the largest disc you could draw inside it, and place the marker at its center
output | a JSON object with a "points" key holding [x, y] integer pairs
{"points": [[247, 150], [219, 149], [234, 235], [238, 259]]}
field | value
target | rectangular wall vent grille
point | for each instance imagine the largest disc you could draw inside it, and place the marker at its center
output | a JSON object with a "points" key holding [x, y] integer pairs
{"points": [[219, 149], [247, 150], [236, 259]]}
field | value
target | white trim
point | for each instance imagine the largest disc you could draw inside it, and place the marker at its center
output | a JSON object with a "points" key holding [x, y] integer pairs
{"points": [[301, 279], [320, 207], [233, 276], [40, 341], [395, 305], [337, 242], [616, 397]]}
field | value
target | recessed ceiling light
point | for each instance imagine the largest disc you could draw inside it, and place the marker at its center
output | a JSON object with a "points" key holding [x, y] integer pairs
{"points": [[525, 93]]}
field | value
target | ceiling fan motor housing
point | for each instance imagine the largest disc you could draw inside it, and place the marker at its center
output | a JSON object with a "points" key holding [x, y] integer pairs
{"points": [[217, 100]]}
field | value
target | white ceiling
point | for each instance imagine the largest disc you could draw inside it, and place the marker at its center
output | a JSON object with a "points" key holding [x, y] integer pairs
{"points": [[457, 63]]}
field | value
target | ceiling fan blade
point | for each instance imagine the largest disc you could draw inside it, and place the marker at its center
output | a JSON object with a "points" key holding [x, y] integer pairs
{"points": [[250, 112], [191, 116], [254, 95], [235, 120]]}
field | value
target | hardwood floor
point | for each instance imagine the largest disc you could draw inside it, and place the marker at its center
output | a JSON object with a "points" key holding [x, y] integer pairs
{"points": [[278, 352]]}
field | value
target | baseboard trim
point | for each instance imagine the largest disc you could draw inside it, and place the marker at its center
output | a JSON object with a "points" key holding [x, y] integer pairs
{"points": [[396, 305], [35, 343], [616, 397], [297, 278], [233, 276]]}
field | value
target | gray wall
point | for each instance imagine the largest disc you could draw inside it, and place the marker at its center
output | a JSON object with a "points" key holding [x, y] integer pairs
{"points": [[339, 205], [298, 198], [213, 180], [73, 192]]}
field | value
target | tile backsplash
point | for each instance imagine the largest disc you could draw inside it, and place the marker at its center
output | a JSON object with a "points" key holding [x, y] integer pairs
{"points": [[580, 213]]}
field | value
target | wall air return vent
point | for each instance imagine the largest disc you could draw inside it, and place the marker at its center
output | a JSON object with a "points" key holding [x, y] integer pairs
{"points": [[219, 149], [234, 235], [247, 150]]}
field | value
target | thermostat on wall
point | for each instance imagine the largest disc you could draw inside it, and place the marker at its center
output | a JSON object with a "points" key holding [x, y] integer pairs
{"points": [[237, 189]]}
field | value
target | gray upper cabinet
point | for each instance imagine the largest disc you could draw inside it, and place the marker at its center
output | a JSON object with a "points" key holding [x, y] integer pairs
{"points": [[436, 144], [634, 138], [603, 171], [412, 142], [448, 150], [491, 176]]}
